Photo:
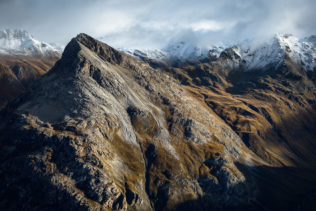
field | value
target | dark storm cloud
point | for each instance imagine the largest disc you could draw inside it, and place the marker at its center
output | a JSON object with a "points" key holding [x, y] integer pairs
{"points": [[140, 23]]}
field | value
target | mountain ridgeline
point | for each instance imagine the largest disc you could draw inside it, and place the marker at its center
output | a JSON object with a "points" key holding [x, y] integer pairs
{"points": [[103, 130]]}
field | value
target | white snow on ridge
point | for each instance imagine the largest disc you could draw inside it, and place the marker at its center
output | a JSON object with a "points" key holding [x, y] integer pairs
{"points": [[302, 51], [251, 54], [184, 50], [254, 55], [19, 42], [176, 51], [146, 53], [274, 50]]}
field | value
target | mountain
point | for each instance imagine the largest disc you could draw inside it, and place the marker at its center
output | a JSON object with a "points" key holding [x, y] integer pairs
{"points": [[26, 58], [19, 42], [265, 93], [103, 130], [250, 54], [272, 52], [175, 51], [107, 134]]}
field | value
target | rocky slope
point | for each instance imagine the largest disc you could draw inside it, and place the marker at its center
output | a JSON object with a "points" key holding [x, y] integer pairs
{"points": [[26, 58], [103, 130]]}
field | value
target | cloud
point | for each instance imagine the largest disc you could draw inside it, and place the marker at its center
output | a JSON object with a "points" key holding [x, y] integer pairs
{"points": [[141, 24], [206, 25]]}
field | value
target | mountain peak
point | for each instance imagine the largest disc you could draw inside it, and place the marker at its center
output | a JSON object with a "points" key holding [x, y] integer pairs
{"points": [[90, 42], [84, 49], [21, 42], [103, 50]]}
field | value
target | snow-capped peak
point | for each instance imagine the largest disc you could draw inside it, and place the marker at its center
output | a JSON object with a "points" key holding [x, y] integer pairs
{"points": [[20, 42], [156, 54], [261, 54], [185, 50], [302, 51], [248, 54], [174, 50], [271, 52]]}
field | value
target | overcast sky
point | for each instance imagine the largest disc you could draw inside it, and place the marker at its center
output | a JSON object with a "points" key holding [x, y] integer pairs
{"points": [[153, 23]]}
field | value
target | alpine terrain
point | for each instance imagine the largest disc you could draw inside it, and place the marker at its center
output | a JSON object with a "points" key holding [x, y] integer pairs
{"points": [[23, 59], [182, 128]]}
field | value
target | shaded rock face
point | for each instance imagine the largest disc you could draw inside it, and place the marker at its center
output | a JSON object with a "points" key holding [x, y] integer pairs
{"points": [[105, 131]]}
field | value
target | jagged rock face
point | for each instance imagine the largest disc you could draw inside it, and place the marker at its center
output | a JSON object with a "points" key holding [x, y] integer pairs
{"points": [[103, 130]]}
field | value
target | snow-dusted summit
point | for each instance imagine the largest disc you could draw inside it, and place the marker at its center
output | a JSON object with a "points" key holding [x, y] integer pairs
{"points": [[302, 51], [177, 50], [251, 54], [20, 42], [248, 54]]}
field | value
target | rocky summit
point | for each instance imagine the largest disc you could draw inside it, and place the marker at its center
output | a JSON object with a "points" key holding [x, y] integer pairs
{"points": [[103, 130]]}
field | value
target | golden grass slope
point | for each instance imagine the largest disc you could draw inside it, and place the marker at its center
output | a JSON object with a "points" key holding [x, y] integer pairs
{"points": [[17, 72]]}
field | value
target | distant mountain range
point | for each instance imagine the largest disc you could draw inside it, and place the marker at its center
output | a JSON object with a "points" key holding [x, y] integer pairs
{"points": [[249, 54]]}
